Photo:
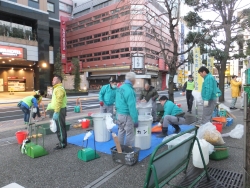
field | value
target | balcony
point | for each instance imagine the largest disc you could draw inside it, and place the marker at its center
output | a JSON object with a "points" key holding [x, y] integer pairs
{"points": [[18, 41]]}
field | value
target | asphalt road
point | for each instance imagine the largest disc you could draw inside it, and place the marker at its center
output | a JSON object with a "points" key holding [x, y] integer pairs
{"points": [[11, 112]]}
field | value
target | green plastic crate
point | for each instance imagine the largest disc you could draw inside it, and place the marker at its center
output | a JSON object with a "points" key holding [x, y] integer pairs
{"points": [[223, 113], [45, 128], [221, 152]]}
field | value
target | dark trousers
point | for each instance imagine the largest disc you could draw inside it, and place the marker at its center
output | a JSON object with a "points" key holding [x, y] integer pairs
{"points": [[190, 99], [37, 113], [26, 112], [61, 127]]}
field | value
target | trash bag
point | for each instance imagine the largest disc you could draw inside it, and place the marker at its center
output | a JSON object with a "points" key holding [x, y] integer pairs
{"points": [[109, 122], [210, 134], [237, 132], [197, 96], [223, 106], [52, 126]]}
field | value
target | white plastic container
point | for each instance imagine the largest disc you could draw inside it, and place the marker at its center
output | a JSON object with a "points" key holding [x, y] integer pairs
{"points": [[197, 161], [100, 129], [144, 111], [143, 132]]}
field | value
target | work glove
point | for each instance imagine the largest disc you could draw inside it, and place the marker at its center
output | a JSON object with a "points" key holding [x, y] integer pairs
{"points": [[159, 124], [135, 125], [101, 103], [205, 103], [55, 116]]}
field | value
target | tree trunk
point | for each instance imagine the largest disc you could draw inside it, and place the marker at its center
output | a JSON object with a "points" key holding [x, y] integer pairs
{"points": [[171, 85], [222, 80]]}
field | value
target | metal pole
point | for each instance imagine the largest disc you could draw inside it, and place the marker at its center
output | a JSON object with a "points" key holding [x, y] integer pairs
{"points": [[245, 156]]}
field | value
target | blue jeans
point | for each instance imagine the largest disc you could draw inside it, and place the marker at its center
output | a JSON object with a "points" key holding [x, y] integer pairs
{"points": [[26, 113]]}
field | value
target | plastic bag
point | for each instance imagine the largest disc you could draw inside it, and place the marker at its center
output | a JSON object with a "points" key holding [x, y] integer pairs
{"points": [[237, 132], [197, 96], [52, 126], [109, 122], [224, 107], [144, 104], [210, 134]]}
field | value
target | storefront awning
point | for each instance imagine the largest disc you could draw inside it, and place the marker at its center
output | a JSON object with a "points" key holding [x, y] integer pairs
{"points": [[99, 78]]}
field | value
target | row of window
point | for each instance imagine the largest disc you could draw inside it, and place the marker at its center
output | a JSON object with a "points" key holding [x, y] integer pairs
{"points": [[82, 24], [121, 50]]}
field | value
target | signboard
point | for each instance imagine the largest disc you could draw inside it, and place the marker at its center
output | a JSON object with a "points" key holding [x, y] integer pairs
{"points": [[197, 64], [9, 51], [63, 38], [210, 64], [138, 61]]}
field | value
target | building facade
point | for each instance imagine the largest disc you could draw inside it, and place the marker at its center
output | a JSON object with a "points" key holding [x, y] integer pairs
{"points": [[111, 38], [29, 40]]}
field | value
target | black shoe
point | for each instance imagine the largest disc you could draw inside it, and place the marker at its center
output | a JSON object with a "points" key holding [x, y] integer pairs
{"points": [[155, 121], [231, 108], [58, 147], [235, 108], [177, 129], [163, 133], [190, 112]]}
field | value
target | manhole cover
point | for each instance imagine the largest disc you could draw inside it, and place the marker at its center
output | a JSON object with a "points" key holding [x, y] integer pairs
{"points": [[226, 178]]}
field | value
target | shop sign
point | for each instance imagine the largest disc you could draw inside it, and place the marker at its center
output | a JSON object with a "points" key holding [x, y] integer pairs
{"points": [[63, 38], [9, 51], [138, 61]]}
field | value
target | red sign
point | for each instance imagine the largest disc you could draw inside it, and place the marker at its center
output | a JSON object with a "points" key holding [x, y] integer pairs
{"points": [[9, 51], [63, 38]]}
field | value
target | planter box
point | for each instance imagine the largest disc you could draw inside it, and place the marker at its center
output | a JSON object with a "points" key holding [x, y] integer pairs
{"points": [[44, 128]]}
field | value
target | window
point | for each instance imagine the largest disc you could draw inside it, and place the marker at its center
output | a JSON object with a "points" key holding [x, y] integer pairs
{"points": [[105, 57], [114, 36], [124, 49], [115, 51], [64, 7], [115, 31], [114, 56], [125, 55], [105, 52], [98, 53], [97, 35], [51, 7]]}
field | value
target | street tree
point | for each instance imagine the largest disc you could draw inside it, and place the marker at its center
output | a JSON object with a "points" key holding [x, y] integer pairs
{"points": [[223, 30], [76, 73], [167, 24], [58, 70]]}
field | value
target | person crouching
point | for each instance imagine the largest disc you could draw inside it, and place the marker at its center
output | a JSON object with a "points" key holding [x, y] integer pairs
{"points": [[173, 115]]}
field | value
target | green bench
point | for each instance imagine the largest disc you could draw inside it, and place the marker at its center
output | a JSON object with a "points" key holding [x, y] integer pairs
{"points": [[164, 165]]}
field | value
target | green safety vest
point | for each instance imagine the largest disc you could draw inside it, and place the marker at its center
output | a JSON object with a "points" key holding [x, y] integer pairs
{"points": [[27, 100], [190, 85], [54, 102]]}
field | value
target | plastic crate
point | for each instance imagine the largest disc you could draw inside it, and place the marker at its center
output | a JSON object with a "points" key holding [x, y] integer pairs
{"points": [[223, 113], [221, 152], [45, 128], [229, 121], [129, 155]]}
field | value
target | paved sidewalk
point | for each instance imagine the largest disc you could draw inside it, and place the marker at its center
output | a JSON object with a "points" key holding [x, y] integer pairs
{"points": [[64, 169]]}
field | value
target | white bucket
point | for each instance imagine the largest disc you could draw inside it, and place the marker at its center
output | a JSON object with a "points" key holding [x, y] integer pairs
{"points": [[146, 111], [197, 161], [100, 129], [143, 132]]}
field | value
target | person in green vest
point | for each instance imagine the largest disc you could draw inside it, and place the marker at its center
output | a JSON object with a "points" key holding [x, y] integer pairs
{"points": [[25, 105], [58, 105], [187, 88]]}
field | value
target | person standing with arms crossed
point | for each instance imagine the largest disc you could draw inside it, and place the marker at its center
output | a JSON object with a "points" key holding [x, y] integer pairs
{"points": [[209, 94], [107, 97], [127, 114], [148, 93], [189, 87], [59, 104]]}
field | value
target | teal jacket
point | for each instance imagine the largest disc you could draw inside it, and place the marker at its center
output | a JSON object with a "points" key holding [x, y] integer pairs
{"points": [[209, 88], [125, 102], [171, 109], [107, 95]]}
